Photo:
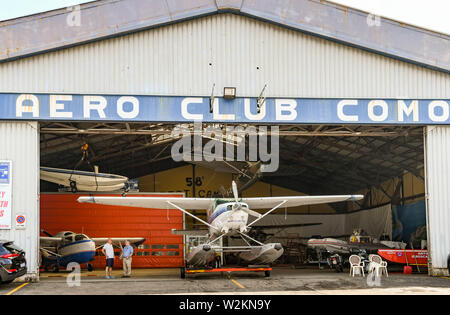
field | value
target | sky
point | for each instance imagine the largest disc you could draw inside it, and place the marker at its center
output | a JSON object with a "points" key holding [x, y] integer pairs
{"points": [[430, 14], [10, 9]]}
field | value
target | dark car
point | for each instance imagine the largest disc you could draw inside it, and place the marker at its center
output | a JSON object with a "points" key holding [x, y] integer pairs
{"points": [[12, 262], [448, 264]]}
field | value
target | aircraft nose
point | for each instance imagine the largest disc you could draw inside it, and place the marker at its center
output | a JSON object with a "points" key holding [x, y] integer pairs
{"points": [[206, 247]]}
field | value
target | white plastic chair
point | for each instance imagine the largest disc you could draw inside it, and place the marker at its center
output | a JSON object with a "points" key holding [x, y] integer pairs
{"points": [[355, 264], [381, 265], [373, 265]]}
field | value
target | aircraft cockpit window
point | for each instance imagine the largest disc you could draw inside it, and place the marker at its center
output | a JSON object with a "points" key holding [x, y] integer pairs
{"points": [[80, 237]]}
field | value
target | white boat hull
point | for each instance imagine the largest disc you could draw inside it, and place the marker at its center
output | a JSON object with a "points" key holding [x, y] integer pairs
{"points": [[263, 255], [200, 256], [85, 181]]}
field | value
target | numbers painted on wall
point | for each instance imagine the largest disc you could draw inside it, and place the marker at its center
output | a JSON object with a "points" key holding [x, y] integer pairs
{"points": [[198, 182]]}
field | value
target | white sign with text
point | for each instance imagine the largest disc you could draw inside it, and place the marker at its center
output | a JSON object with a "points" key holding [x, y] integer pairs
{"points": [[5, 194]]}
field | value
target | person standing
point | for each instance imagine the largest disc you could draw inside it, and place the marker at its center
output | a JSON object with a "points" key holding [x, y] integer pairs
{"points": [[127, 253], [108, 251]]}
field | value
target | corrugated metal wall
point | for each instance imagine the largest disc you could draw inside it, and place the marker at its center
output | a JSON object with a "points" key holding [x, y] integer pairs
{"points": [[228, 50], [19, 142], [437, 152]]}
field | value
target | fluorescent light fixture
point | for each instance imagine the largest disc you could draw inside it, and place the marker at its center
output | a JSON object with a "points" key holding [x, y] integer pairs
{"points": [[229, 93]]}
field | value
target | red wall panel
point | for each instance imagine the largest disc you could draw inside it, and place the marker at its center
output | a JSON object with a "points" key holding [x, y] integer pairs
{"points": [[62, 212]]}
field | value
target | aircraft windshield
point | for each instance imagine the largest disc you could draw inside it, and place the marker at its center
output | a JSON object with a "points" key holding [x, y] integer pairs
{"points": [[222, 201], [80, 237]]}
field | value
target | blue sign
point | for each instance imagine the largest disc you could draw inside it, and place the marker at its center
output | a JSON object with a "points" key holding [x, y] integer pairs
{"points": [[4, 172], [175, 109]]}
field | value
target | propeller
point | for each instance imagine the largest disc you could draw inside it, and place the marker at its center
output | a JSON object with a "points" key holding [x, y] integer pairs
{"points": [[238, 206], [235, 193]]}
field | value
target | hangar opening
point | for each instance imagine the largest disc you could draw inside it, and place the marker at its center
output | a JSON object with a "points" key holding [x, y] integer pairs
{"points": [[359, 111], [383, 163]]}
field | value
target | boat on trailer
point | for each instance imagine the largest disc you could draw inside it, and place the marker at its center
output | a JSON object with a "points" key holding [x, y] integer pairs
{"points": [[329, 244]]}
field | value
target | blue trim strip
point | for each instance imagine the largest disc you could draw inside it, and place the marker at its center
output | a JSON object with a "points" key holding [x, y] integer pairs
{"points": [[81, 258], [217, 213]]}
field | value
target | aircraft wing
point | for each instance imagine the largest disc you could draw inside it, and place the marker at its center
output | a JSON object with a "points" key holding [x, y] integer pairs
{"points": [[294, 201], [206, 203], [118, 240], [190, 232], [151, 202], [48, 241]]}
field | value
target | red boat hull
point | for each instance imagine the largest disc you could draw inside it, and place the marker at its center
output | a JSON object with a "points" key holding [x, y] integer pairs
{"points": [[405, 256]]}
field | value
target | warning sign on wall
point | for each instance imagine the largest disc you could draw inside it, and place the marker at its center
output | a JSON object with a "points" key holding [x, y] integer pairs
{"points": [[5, 194], [20, 221]]}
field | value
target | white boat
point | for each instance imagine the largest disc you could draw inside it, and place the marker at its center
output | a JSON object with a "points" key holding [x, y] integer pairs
{"points": [[83, 181], [329, 244], [334, 245]]}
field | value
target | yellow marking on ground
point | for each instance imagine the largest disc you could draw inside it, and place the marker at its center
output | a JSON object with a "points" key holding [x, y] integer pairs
{"points": [[18, 288], [238, 284], [445, 277], [65, 275]]}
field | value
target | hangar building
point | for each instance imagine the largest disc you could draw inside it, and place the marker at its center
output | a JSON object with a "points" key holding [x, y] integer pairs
{"points": [[361, 102]]}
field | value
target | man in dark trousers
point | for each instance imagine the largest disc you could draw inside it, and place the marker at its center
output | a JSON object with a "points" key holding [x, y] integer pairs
{"points": [[108, 251]]}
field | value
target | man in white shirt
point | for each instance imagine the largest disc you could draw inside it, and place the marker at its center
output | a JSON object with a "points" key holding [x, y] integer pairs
{"points": [[108, 251]]}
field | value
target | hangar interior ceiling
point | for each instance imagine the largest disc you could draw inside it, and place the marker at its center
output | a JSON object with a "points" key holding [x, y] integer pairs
{"points": [[314, 159]]}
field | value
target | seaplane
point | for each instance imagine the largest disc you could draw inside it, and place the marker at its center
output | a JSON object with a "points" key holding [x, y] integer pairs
{"points": [[225, 217], [65, 247]]}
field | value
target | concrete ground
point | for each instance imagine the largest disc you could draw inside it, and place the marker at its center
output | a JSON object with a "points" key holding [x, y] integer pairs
{"points": [[283, 280]]}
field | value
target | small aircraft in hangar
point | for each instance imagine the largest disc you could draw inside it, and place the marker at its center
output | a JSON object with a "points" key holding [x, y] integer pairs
{"points": [[65, 247], [225, 217]]}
